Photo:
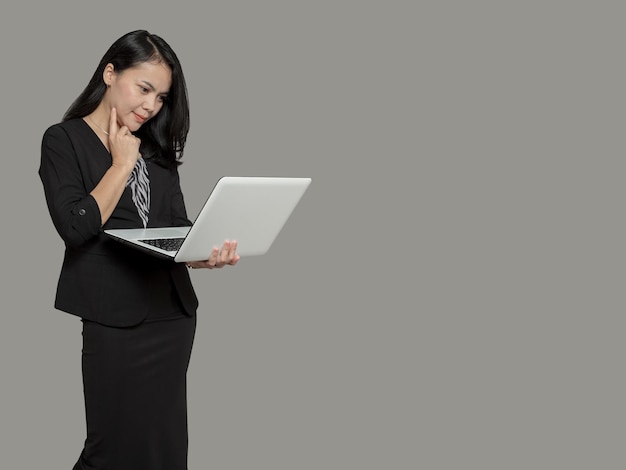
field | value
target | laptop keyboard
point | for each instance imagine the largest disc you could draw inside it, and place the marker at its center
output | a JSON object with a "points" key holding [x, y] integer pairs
{"points": [[167, 244]]}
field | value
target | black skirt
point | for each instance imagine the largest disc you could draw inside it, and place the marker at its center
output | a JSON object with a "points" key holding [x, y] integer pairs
{"points": [[135, 395]]}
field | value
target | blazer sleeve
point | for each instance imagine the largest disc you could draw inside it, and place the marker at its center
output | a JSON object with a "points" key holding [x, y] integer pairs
{"points": [[75, 213]]}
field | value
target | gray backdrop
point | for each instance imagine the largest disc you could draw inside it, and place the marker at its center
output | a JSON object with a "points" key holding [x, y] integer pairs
{"points": [[449, 292]]}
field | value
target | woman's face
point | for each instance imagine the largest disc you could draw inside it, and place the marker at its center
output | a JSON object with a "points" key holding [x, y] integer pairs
{"points": [[138, 92]]}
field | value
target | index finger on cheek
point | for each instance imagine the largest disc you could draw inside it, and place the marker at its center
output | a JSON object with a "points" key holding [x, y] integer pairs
{"points": [[113, 121]]}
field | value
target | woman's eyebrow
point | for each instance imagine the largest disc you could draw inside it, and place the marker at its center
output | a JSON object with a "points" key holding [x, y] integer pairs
{"points": [[148, 84]]}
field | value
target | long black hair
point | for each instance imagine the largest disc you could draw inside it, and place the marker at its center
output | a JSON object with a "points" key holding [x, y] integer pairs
{"points": [[162, 137]]}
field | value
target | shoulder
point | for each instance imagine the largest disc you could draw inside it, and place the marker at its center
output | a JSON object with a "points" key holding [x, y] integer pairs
{"points": [[54, 136], [68, 140], [73, 126], [72, 133]]}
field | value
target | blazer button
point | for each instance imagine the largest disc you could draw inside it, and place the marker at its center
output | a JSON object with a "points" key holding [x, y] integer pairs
{"points": [[82, 212]]}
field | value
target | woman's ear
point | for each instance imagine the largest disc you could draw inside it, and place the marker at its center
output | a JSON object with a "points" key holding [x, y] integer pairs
{"points": [[108, 74]]}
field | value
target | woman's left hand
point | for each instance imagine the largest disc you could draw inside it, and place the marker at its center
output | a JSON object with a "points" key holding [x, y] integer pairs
{"points": [[219, 258]]}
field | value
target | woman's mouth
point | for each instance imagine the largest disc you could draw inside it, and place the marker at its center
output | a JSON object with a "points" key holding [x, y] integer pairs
{"points": [[140, 119]]}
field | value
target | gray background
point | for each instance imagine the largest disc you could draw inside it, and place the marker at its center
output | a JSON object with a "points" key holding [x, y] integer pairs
{"points": [[449, 293]]}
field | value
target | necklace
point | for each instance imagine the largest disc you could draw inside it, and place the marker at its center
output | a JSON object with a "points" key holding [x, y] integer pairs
{"points": [[91, 121]]}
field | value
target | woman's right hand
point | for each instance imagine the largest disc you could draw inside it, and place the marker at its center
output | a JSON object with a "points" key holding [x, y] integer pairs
{"points": [[219, 257], [123, 145]]}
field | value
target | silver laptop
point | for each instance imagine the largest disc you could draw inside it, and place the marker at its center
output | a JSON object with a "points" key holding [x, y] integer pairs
{"points": [[249, 209]]}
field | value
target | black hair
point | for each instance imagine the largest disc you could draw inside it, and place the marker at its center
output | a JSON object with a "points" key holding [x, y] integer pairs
{"points": [[163, 137]]}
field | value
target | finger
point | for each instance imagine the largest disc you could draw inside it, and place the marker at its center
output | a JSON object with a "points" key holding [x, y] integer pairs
{"points": [[224, 252], [136, 146], [227, 251], [233, 251], [113, 127], [213, 259]]}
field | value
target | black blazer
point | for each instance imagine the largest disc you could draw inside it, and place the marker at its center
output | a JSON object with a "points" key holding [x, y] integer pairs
{"points": [[102, 280]]}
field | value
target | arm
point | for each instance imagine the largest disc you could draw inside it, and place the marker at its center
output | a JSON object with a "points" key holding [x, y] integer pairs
{"points": [[74, 212], [78, 213], [124, 148]]}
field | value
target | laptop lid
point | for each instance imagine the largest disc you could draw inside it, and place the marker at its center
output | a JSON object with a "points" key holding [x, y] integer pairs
{"points": [[249, 209]]}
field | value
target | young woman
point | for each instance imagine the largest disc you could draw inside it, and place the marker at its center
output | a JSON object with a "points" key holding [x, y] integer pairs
{"points": [[112, 163]]}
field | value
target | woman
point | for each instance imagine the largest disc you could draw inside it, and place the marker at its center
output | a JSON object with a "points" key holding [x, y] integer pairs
{"points": [[112, 163]]}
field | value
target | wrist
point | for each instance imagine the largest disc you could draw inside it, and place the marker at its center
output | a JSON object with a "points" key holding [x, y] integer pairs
{"points": [[123, 168]]}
